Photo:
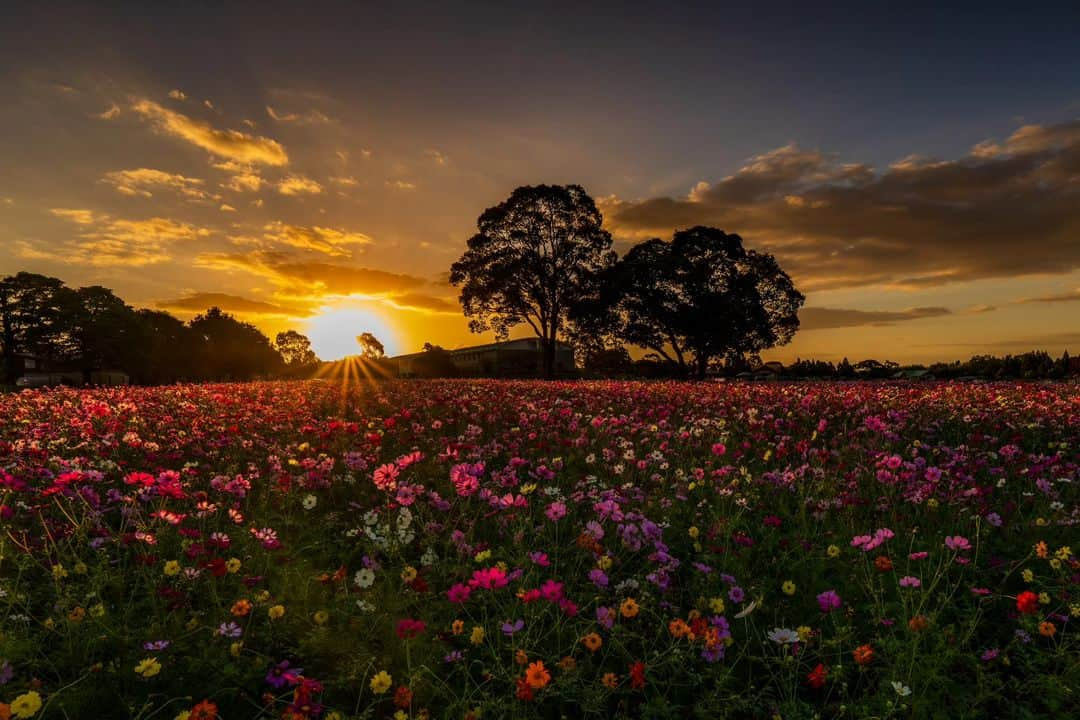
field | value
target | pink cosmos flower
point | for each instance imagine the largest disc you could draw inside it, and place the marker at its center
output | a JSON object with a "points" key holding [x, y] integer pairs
{"points": [[385, 477], [957, 543], [828, 601]]}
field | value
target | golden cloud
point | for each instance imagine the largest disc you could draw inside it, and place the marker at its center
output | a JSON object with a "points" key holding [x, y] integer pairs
{"points": [[302, 283], [142, 180], [109, 241], [202, 301], [298, 185], [822, 318], [231, 144], [329, 241]]}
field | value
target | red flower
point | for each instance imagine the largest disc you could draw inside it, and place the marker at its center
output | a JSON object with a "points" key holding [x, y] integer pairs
{"points": [[1027, 602], [403, 697], [816, 677], [637, 675], [408, 628], [524, 690]]}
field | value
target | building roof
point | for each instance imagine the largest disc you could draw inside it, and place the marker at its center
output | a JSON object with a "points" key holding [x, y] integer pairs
{"points": [[531, 343]]}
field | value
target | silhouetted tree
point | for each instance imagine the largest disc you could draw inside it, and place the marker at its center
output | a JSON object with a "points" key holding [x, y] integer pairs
{"points": [[234, 350], [36, 317], [105, 331], [434, 362], [295, 349], [370, 347], [702, 296], [534, 257], [155, 359]]}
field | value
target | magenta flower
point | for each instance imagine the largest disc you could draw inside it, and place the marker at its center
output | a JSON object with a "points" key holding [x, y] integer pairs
{"points": [[828, 601]]}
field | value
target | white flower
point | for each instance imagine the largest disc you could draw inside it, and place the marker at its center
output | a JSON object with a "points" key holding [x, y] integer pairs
{"points": [[404, 518], [430, 557], [783, 636], [364, 578], [371, 517], [365, 606], [901, 689], [310, 501]]}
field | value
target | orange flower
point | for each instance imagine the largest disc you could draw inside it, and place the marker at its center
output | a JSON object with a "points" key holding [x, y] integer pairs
{"points": [[864, 654], [918, 623], [1047, 629], [629, 608], [241, 608], [205, 710], [537, 675], [1040, 549], [678, 628], [458, 627], [5, 711], [883, 563], [520, 657], [610, 680], [567, 664], [592, 641]]}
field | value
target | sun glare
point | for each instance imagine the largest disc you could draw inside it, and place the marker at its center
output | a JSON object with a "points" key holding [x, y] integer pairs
{"points": [[333, 331]]}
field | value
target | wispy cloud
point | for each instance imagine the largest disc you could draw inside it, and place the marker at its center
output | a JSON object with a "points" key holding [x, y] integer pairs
{"points": [[144, 181], [202, 301], [298, 185], [822, 318], [231, 144], [106, 241]]}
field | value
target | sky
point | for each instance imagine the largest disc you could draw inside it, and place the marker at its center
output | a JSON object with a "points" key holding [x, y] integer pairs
{"points": [[315, 166]]}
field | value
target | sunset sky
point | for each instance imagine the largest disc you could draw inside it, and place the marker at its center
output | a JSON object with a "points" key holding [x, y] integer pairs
{"points": [[301, 165]]}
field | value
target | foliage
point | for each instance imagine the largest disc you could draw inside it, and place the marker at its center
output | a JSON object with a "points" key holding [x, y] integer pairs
{"points": [[522, 549], [702, 296], [535, 256], [370, 346]]}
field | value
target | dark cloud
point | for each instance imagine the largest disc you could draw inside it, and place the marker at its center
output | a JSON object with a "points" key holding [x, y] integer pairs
{"points": [[1072, 296], [201, 301], [820, 318], [1002, 210]]}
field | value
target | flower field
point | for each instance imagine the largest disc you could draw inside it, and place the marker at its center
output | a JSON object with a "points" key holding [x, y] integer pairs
{"points": [[489, 549]]}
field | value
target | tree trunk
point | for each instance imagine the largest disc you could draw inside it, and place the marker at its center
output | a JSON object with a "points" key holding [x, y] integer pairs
{"points": [[548, 346]]}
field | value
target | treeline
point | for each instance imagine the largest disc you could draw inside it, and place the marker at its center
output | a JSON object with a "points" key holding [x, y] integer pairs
{"points": [[1033, 365], [89, 329]]}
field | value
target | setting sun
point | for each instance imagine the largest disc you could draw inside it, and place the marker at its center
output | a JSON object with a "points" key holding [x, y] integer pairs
{"points": [[333, 331]]}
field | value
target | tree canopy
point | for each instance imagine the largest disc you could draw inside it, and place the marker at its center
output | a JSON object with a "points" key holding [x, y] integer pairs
{"points": [[699, 297], [534, 257]]}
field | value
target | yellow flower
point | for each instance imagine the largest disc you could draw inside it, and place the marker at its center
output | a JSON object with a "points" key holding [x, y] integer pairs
{"points": [[334, 715], [804, 632], [932, 503], [408, 574], [788, 587], [1055, 563], [183, 715], [694, 532], [276, 612], [58, 571], [1028, 575], [381, 682], [148, 667], [49, 623], [233, 565], [527, 488], [80, 568], [1074, 609], [1063, 553], [477, 635], [235, 649], [172, 568], [97, 611], [1044, 598], [26, 705], [833, 551], [320, 617], [717, 605], [482, 556], [605, 562], [401, 715], [262, 596]]}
